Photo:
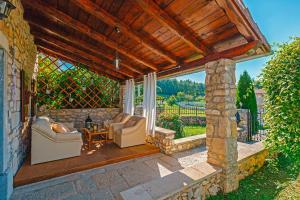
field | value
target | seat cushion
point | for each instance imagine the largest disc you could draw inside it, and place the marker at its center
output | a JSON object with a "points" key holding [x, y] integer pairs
{"points": [[129, 123]]}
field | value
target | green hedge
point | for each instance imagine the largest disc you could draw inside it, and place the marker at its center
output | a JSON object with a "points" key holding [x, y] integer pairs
{"points": [[281, 81]]}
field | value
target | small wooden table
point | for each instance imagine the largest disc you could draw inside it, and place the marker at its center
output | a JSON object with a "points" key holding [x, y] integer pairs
{"points": [[89, 135]]}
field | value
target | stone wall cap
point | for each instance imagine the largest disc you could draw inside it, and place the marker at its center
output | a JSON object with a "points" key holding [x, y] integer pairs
{"points": [[252, 149], [190, 139], [164, 131]]}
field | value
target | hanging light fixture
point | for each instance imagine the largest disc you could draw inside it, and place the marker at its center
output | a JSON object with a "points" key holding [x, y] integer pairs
{"points": [[5, 8], [117, 60]]}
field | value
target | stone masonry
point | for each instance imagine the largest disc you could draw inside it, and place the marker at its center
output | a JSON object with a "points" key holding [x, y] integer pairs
{"points": [[221, 128], [78, 116], [243, 125], [164, 140]]}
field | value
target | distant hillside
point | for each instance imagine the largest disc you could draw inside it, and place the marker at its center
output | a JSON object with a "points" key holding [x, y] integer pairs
{"points": [[173, 86]]}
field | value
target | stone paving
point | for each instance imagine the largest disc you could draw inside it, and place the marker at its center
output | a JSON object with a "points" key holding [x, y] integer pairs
{"points": [[107, 182]]}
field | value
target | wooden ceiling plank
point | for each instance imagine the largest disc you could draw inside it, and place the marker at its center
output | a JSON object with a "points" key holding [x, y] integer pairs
{"points": [[231, 12], [67, 20], [79, 42], [160, 15], [111, 20], [88, 56]]}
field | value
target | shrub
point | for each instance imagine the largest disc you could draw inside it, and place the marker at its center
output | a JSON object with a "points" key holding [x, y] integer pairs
{"points": [[281, 81], [246, 98], [171, 121], [171, 100], [180, 96]]}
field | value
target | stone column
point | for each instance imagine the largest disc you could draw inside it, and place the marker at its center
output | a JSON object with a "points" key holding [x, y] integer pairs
{"points": [[221, 128]]}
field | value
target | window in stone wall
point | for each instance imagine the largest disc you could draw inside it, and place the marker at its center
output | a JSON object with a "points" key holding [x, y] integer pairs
{"points": [[62, 85]]}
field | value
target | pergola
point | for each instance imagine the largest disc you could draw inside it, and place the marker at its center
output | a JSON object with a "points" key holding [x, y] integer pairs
{"points": [[165, 36], [169, 37]]}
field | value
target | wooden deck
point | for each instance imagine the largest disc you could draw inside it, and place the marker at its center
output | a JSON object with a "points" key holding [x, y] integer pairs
{"points": [[97, 157]]}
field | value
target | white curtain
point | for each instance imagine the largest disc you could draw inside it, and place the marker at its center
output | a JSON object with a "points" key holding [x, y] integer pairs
{"points": [[129, 97], [149, 103]]}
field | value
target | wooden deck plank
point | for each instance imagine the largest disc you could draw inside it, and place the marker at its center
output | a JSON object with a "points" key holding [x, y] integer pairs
{"points": [[107, 154]]}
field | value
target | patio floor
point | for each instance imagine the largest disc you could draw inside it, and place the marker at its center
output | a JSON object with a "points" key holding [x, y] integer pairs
{"points": [[108, 181], [96, 157]]}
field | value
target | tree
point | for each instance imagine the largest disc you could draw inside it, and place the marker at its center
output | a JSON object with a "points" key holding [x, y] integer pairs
{"points": [[281, 81], [170, 87], [246, 98]]}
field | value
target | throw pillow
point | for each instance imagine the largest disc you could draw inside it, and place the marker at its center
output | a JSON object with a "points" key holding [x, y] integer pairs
{"points": [[59, 128]]}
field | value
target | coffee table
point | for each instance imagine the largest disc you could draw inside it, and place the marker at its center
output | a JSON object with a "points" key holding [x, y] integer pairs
{"points": [[90, 136]]}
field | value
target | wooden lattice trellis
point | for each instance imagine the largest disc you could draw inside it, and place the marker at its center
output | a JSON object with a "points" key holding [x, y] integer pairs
{"points": [[62, 85]]}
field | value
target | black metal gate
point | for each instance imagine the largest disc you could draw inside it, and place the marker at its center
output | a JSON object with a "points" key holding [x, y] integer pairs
{"points": [[256, 128]]}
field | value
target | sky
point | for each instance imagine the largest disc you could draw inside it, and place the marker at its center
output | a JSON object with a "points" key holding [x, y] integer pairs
{"points": [[278, 20]]}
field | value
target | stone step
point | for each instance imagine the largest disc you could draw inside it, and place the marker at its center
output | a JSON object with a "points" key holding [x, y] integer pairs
{"points": [[162, 188]]}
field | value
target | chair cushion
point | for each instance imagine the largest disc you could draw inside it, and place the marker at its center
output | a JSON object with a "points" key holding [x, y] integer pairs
{"points": [[59, 128], [129, 123]]}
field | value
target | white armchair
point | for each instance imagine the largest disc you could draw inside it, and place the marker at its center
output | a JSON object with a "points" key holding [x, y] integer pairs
{"points": [[131, 133], [46, 145], [120, 119]]}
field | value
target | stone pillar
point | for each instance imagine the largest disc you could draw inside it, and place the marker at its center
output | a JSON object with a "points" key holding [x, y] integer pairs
{"points": [[221, 128]]}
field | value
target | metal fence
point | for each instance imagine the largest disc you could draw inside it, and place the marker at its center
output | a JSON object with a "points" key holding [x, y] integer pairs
{"points": [[192, 111]]}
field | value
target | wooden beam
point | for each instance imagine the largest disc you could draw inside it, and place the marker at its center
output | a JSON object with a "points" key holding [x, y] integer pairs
{"points": [[54, 31], [78, 58], [67, 58], [154, 10], [113, 21], [52, 13], [199, 64], [59, 43]]}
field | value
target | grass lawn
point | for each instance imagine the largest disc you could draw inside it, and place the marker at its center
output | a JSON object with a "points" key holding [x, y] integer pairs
{"points": [[193, 130], [278, 181]]}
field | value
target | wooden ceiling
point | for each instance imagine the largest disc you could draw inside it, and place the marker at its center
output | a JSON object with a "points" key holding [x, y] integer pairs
{"points": [[166, 36]]}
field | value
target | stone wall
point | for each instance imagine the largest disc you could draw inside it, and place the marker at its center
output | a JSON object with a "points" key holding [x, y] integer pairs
{"points": [[18, 132], [251, 164], [209, 186], [19, 48], [193, 120], [164, 139], [78, 116], [17, 33], [186, 143]]}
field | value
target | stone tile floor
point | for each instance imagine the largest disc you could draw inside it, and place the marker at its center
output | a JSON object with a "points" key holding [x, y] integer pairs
{"points": [[107, 182]]}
